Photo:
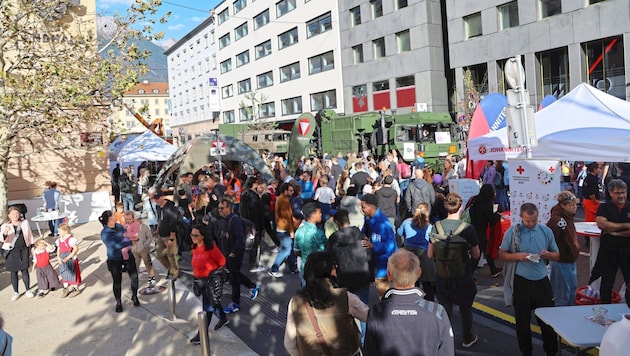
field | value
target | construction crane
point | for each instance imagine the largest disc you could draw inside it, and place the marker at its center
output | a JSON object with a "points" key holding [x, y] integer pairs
{"points": [[155, 126]]}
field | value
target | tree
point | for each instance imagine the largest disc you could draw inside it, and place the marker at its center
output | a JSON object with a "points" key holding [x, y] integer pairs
{"points": [[56, 77], [251, 104]]}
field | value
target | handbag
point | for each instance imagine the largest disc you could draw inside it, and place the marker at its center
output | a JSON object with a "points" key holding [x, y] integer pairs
{"points": [[510, 269], [318, 331]]}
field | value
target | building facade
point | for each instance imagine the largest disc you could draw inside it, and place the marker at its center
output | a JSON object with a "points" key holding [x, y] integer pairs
{"points": [[562, 42], [193, 83], [393, 55], [149, 100], [278, 59]]}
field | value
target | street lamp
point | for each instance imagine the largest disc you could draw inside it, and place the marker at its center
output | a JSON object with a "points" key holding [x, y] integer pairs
{"points": [[216, 138]]}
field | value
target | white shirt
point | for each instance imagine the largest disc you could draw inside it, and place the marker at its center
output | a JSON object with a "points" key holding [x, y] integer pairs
{"points": [[616, 340]]}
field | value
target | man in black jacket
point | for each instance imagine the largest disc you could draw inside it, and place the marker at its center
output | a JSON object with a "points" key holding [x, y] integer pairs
{"points": [[233, 236], [166, 243], [253, 210]]}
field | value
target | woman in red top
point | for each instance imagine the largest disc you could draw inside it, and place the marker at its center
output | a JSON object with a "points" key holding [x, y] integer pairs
{"points": [[208, 267]]}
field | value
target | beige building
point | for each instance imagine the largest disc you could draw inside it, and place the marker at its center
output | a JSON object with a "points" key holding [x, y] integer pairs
{"points": [[149, 100], [80, 171]]}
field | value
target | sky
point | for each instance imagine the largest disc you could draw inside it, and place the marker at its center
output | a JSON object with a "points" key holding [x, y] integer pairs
{"points": [[185, 15]]}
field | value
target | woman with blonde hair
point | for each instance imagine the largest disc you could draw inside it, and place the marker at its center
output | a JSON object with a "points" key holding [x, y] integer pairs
{"points": [[415, 231]]}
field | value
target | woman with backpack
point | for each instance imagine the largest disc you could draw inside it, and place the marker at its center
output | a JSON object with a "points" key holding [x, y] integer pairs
{"points": [[483, 216]]}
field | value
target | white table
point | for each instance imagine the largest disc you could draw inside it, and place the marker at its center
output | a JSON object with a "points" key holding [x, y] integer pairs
{"points": [[571, 325], [590, 229], [48, 217]]}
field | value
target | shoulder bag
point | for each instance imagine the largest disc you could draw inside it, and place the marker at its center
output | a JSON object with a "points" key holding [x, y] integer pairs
{"points": [[510, 268]]}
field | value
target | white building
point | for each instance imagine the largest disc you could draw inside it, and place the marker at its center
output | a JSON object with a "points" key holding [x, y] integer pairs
{"points": [[563, 43], [193, 78], [285, 53]]}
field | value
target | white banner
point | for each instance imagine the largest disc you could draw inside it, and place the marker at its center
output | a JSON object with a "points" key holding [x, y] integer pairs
{"points": [[533, 181]]}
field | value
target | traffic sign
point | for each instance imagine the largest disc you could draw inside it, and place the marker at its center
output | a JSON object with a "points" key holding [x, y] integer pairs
{"points": [[218, 148]]}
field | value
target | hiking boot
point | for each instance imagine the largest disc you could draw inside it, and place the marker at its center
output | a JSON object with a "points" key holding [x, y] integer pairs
{"points": [[221, 323]]}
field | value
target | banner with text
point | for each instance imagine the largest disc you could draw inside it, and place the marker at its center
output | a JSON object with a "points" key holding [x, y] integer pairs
{"points": [[533, 181]]}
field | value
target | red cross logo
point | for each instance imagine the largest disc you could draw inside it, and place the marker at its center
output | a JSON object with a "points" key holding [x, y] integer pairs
{"points": [[520, 170], [482, 150], [551, 169]]}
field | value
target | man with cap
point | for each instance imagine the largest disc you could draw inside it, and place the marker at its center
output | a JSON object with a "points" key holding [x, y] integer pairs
{"points": [[166, 243]]}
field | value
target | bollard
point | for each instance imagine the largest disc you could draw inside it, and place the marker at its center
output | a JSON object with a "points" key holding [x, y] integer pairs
{"points": [[202, 318], [171, 298]]}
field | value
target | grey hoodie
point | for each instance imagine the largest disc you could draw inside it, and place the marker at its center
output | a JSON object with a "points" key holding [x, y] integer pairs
{"points": [[419, 191]]}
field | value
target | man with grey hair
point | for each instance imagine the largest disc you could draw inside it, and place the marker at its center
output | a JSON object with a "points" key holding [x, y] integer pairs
{"points": [[403, 322], [613, 218]]}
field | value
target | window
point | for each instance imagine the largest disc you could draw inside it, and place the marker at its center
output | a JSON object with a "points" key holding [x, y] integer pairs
{"points": [[403, 42], [473, 25], [261, 19], [288, 38], [264, 80], [605, 66], [290, 72], [228, 117], [244, 86], [321, 63], [292, 106], [379, 47], [239, 5], [549, 8], [380, 86], [223, 16], [355, 16], [240, 32], [401, 4], [267, 110], [508, 15], [318, 25], [263, 49], [357, 54], [285, 6], [479, 76], [554, 68], [224, 40], [377, 8], [242, 58], [324, 100], [227, 91], [406, 81], [245, 114], [226, 66]]}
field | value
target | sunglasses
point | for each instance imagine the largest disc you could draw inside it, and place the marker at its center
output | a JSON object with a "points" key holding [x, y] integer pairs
{"points": [[569, 199]]}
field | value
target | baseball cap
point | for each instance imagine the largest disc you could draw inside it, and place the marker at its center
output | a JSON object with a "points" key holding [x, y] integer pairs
{"points": [[157, 194]]}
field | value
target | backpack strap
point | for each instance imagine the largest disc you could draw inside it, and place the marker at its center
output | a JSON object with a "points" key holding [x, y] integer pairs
{"points": [[460, 228], [439, 228]]}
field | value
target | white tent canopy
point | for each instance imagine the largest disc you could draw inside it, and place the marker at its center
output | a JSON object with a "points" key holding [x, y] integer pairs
{"points": [[585, 124], [146, 147], [118, 144]]}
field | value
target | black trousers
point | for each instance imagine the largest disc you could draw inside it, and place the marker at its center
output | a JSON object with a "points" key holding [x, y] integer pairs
{"points": [[237, 278], [115, 268], [529, 295], [609, 260]]}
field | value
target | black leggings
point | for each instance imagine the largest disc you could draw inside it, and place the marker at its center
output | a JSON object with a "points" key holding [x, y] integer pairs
{"points": [[115, 268], [25, 277]]}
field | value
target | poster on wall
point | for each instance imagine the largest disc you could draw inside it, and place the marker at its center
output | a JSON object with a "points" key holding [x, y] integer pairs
{"points": [[533, 181], [465, 187]]}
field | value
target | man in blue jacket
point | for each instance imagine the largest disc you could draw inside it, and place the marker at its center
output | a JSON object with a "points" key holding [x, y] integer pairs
{"points": [[380, 238]]}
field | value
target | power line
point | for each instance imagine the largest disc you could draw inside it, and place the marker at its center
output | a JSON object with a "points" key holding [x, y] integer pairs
{"points": [[185, 7]]}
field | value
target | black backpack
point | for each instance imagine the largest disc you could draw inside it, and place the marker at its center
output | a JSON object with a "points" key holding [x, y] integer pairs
{"points": [[450, 251]]}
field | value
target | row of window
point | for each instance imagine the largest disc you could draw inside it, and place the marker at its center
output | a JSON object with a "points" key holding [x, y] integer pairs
{"points": [[403, 44], [283, 7], [376, 10], [401, 82], [507, 15], [316, 64], [290, 106], [288, 38]]}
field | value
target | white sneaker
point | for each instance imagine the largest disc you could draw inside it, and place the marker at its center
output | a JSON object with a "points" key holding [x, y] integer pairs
{"points": [[15, 296], [29, 294], [257, 269], [275, 274]]}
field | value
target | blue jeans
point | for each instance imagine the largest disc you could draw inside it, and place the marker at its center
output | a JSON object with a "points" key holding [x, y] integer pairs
{"points": [[52, 225], [564, 283], [285, 253], [127, 199]]}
